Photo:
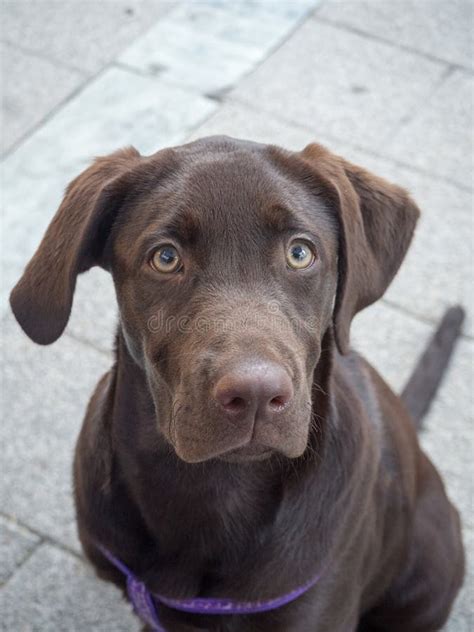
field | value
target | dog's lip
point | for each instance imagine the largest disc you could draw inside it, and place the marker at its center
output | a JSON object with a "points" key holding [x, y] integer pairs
{"points": [[247, 452]]}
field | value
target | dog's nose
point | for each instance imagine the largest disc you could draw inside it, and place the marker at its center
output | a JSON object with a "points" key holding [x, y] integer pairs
{"points": [[261, 390]]}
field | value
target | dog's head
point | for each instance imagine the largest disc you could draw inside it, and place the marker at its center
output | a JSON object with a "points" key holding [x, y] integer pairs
{"points": [[231, 261]]}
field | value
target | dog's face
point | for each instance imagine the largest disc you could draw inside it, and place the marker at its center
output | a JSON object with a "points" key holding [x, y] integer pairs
{"points": [[231, 261], [225, 280]]}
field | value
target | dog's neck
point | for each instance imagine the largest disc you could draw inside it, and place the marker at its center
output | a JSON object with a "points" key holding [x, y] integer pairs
{"points": [[206, 519]]}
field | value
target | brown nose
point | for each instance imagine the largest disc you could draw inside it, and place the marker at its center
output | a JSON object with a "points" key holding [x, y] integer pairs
{"points": [[258, 389]]}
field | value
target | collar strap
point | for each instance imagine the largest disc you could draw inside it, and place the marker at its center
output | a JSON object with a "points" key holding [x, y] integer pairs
{"points": [[143, 600]]}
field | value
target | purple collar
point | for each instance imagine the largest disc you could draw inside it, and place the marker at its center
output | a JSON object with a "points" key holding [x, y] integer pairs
{"points": [[143, 600]]}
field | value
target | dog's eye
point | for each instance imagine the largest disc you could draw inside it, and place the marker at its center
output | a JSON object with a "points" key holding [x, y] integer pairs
{"points": [[166, 259], [300, 255]]}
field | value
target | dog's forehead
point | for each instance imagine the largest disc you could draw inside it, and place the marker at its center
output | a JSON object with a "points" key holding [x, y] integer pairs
{"points": [[234, 170], [226, 185]]}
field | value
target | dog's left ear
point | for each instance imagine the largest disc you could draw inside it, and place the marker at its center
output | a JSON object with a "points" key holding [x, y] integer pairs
{"points": [[376, 220]]}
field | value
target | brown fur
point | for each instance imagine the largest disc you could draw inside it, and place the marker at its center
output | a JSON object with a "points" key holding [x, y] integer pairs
{"points": [[345, 488]]}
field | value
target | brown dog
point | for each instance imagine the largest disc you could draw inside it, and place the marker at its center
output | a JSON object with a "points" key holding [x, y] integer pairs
{"points": [[238, 448]]}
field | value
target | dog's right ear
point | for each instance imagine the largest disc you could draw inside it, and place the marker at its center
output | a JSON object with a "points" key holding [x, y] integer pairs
{"points": [[73, 243]]}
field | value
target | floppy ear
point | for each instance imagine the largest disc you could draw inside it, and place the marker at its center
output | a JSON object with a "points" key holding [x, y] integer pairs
{"points": [[376, 220], [73, 243]]}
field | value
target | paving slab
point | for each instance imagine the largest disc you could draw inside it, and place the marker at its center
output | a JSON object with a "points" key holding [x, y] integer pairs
{"points": [[16, 544], [241, 121], [340, 84], [84, 35], [210, 45], [94, 315], [440, 29], [57, 591], [117, 109], [439, 138], [391, 340], [25, 100], [45, 391]]}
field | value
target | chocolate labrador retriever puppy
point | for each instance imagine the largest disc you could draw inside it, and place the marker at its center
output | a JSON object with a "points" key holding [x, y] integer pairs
{"points": [[239, 464]]}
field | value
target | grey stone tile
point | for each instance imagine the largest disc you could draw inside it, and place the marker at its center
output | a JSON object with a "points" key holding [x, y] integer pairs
{"points": [[94, 314], [45, 391], [441, 29], [16, 544], [209, 45], [440, 138], [118, 109], [85, 35], [391, 340], [340, 84], [56, 591], [240, 121], [26, 100]]}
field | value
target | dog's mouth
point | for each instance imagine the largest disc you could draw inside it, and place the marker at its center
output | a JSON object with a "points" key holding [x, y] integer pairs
{"points": [[247, 453], [249, 412]]}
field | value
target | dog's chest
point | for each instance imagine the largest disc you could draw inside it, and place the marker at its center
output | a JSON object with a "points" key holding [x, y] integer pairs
{"points": [[207, 532]]}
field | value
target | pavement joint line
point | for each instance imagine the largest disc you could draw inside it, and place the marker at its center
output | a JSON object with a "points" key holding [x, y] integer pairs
{"points": [[115, 63], [420, 317], [195, 91], [80, 88], [18, 567], [88, 80], [79, 339], [35, 53], [52, 113], [39, 55], [13, 520], [305, 17], [383, 40], [89, 344], [44, 539], [420, 107], [337, 139], [281, 41]]}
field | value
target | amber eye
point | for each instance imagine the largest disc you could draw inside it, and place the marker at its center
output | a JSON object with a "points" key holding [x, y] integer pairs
{"points": [[166, 259], [300, 255]]}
